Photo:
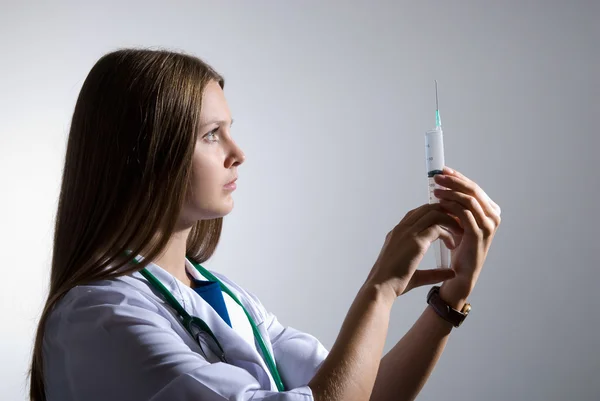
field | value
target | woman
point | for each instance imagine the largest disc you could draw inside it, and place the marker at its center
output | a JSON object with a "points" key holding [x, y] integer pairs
{"points": [[131, 313]]}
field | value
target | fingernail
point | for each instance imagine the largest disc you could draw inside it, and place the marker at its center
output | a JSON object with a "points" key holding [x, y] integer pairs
{"points": [[449, 170]]}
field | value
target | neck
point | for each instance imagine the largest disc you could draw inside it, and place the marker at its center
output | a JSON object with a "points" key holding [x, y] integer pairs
{"points": [[173, 258]]}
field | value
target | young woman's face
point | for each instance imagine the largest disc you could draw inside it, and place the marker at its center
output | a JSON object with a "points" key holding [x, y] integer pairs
{"points": [[215, 161]]}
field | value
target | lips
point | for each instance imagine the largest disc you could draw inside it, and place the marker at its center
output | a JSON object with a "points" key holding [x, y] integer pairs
{"points": [[231, 182]]}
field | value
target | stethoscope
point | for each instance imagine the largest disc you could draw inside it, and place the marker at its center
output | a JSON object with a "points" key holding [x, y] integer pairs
{"points": [[191, 322]]}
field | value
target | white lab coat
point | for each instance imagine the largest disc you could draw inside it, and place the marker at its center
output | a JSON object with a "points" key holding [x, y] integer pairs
{"points": [[119, 340]]}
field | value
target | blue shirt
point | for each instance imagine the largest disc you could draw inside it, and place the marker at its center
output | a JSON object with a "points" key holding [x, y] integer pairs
{"points": [[211, 292]]}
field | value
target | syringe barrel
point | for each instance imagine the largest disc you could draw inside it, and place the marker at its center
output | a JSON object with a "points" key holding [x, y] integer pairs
{"points": [[434, 151], [434, 157]]}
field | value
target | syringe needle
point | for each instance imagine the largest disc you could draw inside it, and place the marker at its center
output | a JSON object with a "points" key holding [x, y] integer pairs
{"points": [[438, 120], [437, 106]]}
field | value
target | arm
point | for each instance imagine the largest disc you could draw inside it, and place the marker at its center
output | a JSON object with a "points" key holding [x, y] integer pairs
{"points": [[348, 373], [406, 367]]}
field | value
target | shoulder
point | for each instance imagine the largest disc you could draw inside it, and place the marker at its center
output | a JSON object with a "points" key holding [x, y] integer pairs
{"points": [[100, 304], [103, 292], [109, 329]]}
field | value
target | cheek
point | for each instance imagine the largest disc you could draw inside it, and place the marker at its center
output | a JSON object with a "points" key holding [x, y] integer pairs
{"points": [[207, 198], [201, 179], [205, 177]]}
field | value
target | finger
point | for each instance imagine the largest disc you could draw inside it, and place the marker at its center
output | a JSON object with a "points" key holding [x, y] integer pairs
{"points": [[457, 241], [467, 201], [467, 219], [456, 236], [438, 217], [417, 213], [468, 187], [431, 276], [434, 232], [494, 205], [452, 240], [408, 215], [454, 172], [478, 192]]}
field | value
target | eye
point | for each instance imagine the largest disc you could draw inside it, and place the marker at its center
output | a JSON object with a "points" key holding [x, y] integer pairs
{"points": [[212, 134]]}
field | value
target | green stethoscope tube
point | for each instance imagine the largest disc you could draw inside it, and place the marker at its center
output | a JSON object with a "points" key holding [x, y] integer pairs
{"points": [[188, 321]]}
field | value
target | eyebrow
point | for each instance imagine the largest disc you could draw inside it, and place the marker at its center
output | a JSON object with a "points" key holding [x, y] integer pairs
{"points": [[220, 122]]}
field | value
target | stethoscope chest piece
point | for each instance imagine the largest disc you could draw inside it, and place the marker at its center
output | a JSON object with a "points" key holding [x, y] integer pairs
{"points": [[209, 345]]}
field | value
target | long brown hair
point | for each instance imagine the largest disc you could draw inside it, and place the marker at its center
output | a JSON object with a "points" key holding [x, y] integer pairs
{"points": [[126, 174]]}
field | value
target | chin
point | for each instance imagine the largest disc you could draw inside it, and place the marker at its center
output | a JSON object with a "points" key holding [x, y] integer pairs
{"points": [[227, 206], [219, 207], [217, 211], [222, 213]]}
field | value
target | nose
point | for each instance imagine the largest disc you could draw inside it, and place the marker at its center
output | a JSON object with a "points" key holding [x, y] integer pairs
{"points": [[236, 156]]}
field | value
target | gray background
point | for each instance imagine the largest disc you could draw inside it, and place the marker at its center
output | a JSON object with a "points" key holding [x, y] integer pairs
{"points": [[331, 101]]}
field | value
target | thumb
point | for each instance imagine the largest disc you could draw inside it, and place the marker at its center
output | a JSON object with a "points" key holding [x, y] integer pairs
{"points": [[432, 276]]}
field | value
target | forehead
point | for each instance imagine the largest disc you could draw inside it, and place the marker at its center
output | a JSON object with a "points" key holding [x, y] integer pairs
{"points": [[214, 106]]}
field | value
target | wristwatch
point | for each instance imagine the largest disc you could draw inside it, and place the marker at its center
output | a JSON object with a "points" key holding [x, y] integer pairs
{"points": [[446, 311]]}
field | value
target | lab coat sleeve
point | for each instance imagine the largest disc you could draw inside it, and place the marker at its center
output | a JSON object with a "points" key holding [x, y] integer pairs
{"points": [[298, 355], [108, 343]]}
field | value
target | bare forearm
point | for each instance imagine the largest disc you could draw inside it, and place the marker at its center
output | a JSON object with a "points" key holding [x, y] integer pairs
{"points": [[406, 367], [349, 372]]}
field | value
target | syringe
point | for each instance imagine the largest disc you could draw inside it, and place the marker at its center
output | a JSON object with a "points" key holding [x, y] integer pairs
{"points": [[434, 153]]}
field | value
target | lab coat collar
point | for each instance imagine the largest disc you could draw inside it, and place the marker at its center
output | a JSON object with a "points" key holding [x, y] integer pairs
{"points": [[237, 350], [191, 269]]}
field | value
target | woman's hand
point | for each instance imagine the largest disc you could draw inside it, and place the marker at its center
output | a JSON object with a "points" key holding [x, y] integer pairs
{"points": [[479, 218], [405, 246]]}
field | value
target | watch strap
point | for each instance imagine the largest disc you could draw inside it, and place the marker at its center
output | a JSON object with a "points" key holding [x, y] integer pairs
{"points": [[444, 310]]}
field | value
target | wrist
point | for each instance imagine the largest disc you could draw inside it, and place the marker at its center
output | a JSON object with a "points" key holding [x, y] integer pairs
{"points": [[382, 292], [454, 312], [455, 294]]}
